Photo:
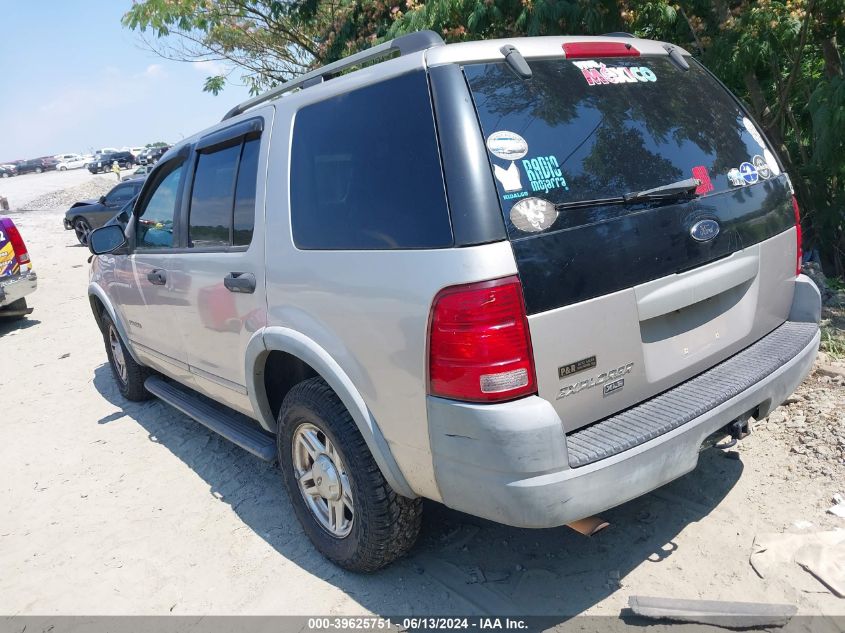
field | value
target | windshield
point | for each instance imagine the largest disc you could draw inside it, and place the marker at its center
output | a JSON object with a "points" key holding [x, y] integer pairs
{"points": [[583, 130]]}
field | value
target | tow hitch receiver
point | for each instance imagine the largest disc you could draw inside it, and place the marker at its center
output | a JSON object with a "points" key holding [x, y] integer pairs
{"points": [[737, 430]]}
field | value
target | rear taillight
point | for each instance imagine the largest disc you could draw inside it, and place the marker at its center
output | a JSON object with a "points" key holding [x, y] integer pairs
{"points": [[575, 50], [479, 345], [797, 233], [15, 239]]}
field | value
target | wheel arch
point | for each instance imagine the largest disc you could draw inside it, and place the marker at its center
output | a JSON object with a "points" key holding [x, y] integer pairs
{"points": [[276, 339], [100, 304]]}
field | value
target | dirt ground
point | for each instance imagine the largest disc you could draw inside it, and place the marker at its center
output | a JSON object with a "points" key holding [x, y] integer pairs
{"points": [[111, 507]]}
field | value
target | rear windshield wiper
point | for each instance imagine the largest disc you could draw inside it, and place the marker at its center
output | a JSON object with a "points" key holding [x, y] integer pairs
{"points": [[673, 191]]}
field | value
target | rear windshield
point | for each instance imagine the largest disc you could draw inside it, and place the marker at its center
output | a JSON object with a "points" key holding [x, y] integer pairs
{"points": [[583, 130]]}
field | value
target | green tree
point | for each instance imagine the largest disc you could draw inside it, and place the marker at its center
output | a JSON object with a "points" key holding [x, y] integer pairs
{"points": [[783, 57]]}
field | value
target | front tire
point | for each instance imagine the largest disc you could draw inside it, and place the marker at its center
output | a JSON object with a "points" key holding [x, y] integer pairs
{"points": [[128, 374], [346, 507], [38, 170], [82, 230]]}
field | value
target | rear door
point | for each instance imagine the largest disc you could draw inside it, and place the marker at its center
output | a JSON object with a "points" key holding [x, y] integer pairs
{"points": [[625, 300], [219, 269]]}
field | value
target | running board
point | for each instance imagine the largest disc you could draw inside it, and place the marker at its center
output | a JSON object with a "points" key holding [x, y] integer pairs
{"points": [[235, 427]]}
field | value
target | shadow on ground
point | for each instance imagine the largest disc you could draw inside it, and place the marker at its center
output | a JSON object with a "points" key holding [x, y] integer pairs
{"points": [[463, 564], [14, 324]]}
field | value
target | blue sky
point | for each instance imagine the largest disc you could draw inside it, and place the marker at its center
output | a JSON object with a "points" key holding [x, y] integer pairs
{"points": [[72, 79]]}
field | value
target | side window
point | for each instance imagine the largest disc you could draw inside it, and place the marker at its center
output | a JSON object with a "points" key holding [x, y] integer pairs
{"points": [[244, 215], [222, 209], [155, 219], [120, 196], [211, 197], [365, 171]]}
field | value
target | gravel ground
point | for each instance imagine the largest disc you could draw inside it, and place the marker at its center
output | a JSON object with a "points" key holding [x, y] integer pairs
{"points": [[23, 191], [62, 199], [111, 507]]}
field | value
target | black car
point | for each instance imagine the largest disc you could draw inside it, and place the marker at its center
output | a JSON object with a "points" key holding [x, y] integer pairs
{"points": [[104, 162], [87, 215], [151, 155], [35, 165], [7, 171]]}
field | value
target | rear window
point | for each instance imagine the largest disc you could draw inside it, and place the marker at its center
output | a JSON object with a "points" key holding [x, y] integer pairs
{"points": [[587, 130], [365, 171]]}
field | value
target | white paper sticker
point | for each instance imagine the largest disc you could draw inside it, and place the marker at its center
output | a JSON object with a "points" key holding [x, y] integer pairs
{"points": [[772, 162], [533, 215], [507, 145], [510, 177], [752, 130]]}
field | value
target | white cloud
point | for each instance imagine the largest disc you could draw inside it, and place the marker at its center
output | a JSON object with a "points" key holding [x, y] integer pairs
{"points": [[154, 71], [210, 67]]}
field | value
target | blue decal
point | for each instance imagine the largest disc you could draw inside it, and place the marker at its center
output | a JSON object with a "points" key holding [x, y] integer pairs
{"points": [[749, 173], [544, 174]]}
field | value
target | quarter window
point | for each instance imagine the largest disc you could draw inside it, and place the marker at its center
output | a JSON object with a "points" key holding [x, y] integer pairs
{"points": [[365, 171]]}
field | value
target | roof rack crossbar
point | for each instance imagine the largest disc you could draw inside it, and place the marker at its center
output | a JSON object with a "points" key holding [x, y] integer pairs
{"points": [[404, 44]]}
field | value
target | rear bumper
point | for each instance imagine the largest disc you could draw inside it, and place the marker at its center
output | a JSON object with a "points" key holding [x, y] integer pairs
{"points": [[511, 462], [17, 287]]}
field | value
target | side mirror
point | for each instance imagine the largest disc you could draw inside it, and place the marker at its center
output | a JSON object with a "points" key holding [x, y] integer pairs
{"points": [[102, 200], [106, 239]]}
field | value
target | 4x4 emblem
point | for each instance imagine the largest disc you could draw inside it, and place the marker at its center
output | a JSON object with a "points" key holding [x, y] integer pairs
{"points": [[704, 230]]}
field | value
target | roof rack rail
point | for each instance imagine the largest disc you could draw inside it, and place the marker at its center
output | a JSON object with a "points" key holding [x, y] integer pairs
{"points": [[404, 44], [617, 34]]}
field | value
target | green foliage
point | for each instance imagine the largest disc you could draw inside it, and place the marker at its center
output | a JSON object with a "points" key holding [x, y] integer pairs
{"points": [[782, 57]]}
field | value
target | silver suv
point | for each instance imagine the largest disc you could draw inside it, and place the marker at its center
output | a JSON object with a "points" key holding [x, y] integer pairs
{"points": [[528, 279]]}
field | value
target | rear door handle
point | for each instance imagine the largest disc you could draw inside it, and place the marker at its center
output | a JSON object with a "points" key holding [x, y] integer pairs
{"points": [[240, 282], [157, 277]]}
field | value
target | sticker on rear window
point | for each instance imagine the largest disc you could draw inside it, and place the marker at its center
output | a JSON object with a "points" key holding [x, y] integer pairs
{"points": [[509, 178], [753, 131], [772, 162], [507, 145], [597, 73], [544, 174], [761, 166], [700, 172], [533, 215]]}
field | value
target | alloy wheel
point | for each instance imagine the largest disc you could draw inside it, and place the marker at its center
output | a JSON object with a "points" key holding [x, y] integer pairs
{"points": [[118, 359], [323, 480]]}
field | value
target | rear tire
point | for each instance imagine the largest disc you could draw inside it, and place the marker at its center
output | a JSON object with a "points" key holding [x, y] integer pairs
{"points": [[321, 450], [128, 374]]}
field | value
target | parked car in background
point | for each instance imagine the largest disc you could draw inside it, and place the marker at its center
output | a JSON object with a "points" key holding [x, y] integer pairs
{"points": [[87, 215], [35, 165], [140, 172], [103, 163], [70, 161], [151, 155], [7, 171], [17, 279]]}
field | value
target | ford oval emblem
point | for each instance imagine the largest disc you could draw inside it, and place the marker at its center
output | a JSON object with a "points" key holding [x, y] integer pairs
{"points": [[704, 230]]}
